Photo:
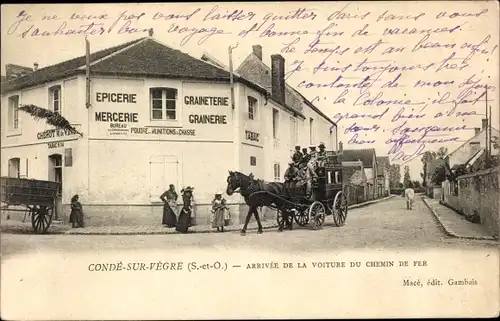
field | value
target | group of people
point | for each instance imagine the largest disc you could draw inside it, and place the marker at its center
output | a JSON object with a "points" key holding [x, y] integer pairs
{"points": [[220, 211], [169, 199], [302, 167]]}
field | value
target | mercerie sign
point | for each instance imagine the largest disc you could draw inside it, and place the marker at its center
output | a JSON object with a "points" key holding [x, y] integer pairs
{"points": [[206, 101], [116, 117]]}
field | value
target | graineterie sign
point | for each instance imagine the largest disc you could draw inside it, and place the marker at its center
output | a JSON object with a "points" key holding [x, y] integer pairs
{"points": [[205, 101]]}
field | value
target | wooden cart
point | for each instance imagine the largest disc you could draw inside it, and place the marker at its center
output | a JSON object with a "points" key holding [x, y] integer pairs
{"points": [[37, 196]]}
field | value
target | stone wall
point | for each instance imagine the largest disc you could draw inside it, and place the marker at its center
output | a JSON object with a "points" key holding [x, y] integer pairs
{"points": [[478, 194]]}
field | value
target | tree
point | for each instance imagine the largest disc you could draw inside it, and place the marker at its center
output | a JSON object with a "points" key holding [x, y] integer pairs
{"points": [[427, 157], [407, 179], [416, 184], [442, 152], [439, 174], [394, 175]]}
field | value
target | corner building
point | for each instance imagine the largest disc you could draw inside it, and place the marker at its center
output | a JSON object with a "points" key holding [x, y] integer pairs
{"points": [[156, 117]]}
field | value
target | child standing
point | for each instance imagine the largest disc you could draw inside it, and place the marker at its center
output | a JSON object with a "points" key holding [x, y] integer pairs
{"points": [[219, 209]]}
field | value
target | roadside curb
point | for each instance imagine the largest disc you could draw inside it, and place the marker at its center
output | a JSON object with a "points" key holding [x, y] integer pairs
{"points": [[449, 231], [370, 202]]}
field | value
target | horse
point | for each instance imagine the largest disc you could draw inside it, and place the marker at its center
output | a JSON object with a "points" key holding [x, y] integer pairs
{"points": [[247, 185]]}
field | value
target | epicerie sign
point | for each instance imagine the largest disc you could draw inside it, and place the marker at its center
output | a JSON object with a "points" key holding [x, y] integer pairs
{"points": [[116, 98]]}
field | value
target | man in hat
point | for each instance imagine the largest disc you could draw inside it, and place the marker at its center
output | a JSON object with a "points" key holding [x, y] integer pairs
{"points": [[311, 169], [291, 172], [305, 158], [322, 151], [321, 154], [297, 156]]}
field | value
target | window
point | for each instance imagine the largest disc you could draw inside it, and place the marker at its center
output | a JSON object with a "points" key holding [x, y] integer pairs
{"points": [[252, 108], [275, 123], [55, 99], [253, 161], [15, 167], [163, 103], [294, 137], [13, 112], [277, 175], [163, 172], [311, 131]]}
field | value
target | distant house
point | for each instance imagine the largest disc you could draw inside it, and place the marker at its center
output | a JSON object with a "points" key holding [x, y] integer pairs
{"points": [[369, 159], [355, 183], [383, 168], [467, 150]]}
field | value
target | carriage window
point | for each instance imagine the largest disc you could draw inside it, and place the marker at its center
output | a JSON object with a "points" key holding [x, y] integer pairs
{"points": [[337, 177], [329, 177]]}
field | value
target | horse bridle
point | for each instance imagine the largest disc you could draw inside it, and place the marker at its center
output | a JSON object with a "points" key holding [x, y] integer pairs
{"points": [[238, 179]]}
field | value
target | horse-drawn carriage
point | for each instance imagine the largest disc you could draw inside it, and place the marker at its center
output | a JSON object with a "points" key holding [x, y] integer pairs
{"points": [[37, 197], [290, 199]]}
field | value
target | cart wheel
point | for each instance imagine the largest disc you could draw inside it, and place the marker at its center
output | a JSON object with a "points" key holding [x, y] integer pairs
{"points": [[41, 218], [340, 209], [317, 215], [280, 219], [301, 218]]}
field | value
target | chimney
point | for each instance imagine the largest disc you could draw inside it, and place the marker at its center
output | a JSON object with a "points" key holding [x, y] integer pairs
{"points": [[151, 32], [484, 123], [476, 131], [15, 71], [35, 66], [257, 50], [278, 78]]}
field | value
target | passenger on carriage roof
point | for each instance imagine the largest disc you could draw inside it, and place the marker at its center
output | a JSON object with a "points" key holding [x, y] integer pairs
{"points": [[322, 151]]}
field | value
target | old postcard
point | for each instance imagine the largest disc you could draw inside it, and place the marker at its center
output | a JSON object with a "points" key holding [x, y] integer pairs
{"points": [[250, 160]]}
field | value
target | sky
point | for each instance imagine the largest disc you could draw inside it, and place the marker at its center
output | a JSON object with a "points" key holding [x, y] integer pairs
{"points": [[350, 59]]}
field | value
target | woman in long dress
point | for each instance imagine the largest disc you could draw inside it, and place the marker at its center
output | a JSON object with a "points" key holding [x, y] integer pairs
{"points": [[169, 199], [219, 209], [185, 214], [76, 216]]}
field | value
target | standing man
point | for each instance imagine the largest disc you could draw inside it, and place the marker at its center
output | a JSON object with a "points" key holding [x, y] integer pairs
{"points": [[410, 196], [311, 170]]}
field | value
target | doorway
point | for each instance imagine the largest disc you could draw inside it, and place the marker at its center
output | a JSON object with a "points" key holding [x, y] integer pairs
{"points": [[56, 175]]}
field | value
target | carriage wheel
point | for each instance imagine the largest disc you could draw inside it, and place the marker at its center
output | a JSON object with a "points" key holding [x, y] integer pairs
{"points": [[280, 219], [317, 214], [301, 217], [340, 209], [41, 218]]}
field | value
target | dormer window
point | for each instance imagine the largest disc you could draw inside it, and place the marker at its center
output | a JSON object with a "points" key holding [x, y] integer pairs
{"points": [[55, 99]]}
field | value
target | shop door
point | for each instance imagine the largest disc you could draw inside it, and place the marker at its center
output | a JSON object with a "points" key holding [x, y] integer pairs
{"points": [[163, 172], [56, 175]]}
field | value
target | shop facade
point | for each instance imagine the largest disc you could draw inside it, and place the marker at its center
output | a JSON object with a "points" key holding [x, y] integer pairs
{"points": [[144, 131]]}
